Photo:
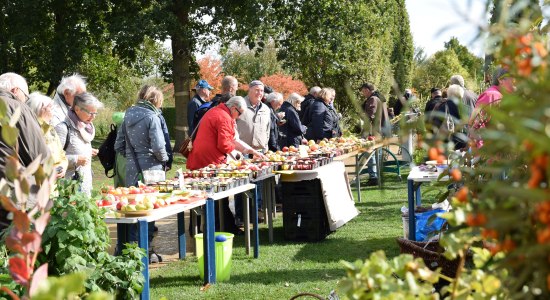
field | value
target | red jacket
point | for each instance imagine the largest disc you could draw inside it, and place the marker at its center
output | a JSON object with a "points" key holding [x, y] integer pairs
{"points": [[215, 138]]}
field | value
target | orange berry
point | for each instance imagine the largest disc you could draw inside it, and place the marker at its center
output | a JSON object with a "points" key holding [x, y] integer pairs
{"points": [[541, 161], [535, 179], [494, 248], [433, 153], [462, 194], [489, 233], [456, 175], [543, 236], [441, 159], [481, 219], [471, 220], [508, 245], [528, 145]]}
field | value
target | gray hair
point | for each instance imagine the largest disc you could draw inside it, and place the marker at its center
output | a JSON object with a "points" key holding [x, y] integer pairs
{"points": [[85, 100], [10, 80], [237, 102], [497, 75], [455, 91], [295, 99], [71, 84], [274, 97], [314, 90], [457, 79], [227, 82], [37, 101]]}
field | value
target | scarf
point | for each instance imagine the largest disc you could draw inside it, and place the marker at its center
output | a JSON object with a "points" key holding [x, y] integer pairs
{"points": [[148, 105], [86, 129]]}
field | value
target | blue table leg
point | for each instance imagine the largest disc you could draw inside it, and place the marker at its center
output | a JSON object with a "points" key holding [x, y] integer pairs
{"points": [[208, 243], [144, 244], [412, 217], [255, 232], [182, 242]]}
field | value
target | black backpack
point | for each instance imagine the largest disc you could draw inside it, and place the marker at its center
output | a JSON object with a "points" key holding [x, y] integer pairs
{"points": [[107, 154]]}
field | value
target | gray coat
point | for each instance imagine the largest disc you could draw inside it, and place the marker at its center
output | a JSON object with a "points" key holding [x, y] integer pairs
{"points": [[77, 146], [145, 137], [254, 125]]}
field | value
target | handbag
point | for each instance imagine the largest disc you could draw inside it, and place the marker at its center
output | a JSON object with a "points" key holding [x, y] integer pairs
{"points": [[187, 145]]}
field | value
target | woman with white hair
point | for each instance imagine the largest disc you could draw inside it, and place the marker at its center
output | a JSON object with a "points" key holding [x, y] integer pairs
{"points": [[446, 117], [42, 107], [292, 132], [76, 134]]}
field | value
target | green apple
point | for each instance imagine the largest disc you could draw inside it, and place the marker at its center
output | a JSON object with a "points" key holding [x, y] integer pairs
{"points": [[131, 207], [141, 207]]}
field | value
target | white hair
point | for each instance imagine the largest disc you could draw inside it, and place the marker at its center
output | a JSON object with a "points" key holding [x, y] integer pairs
{"points": [[37, 101], [236, 101], [85, 100], [455, 91], [295, 99], [274, 97], [10, 80], [71, 84], [314, 90]]}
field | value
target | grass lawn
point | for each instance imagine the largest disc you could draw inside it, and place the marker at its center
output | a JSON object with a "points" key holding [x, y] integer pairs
{"points": [[287, 268]]}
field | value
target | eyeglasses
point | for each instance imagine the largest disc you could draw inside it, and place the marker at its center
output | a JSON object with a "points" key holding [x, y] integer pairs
{"points": [[93, 114], [240, 112]]}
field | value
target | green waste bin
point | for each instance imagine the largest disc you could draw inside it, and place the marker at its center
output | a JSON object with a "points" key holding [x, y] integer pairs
{"points": [[224, 250]]}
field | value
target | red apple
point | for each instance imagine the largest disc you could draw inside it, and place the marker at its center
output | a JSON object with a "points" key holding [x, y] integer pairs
{"points": [[285, 149]]}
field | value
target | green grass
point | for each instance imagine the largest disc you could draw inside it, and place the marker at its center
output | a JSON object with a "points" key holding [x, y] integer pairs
{"points": [[287, 268]]}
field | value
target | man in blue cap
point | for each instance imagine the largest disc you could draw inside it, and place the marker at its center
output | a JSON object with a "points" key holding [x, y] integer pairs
{"points": [[202, 95]]}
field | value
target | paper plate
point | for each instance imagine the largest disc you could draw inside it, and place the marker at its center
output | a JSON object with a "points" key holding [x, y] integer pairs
{"points": [[434, 162]]}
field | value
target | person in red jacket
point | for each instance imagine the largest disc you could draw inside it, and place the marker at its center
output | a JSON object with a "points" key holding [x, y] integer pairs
{"points": [[217, 138]]}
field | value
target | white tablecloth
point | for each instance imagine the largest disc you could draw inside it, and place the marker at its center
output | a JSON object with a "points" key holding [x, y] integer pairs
{"points": [[339, 202]]}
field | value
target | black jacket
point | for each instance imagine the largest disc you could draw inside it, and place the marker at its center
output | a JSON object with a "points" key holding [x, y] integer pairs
{"points": [[323, 121], [292, 131], [308, 99], [273, 143]]}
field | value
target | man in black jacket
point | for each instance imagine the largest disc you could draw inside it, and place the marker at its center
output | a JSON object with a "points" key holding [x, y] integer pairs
{"points": [[308, 99], [30, 142]]}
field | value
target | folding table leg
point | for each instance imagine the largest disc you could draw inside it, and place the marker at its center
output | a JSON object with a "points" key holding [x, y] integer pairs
{"points": [[144, 244], [182, 242], [246, 217], [208, 243], [255, 234], [412, 217]]}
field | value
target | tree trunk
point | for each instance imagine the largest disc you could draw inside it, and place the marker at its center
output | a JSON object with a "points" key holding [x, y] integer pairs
{"points": [[181, 55]]}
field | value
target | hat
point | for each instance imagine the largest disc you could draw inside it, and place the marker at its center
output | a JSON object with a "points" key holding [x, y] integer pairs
{"points": [[255, 83], [203, 84], [268, 90], [434, 89]]}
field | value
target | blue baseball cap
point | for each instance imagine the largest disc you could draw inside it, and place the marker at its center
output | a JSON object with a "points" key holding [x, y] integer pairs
{"points": [[203, 84]]}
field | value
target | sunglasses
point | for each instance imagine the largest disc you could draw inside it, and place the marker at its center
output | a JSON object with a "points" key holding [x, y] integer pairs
{"points": [[88, 112], [238, 111]]}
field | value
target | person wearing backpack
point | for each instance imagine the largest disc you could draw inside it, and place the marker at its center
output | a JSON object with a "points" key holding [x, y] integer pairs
{"points": [[445, 116]]}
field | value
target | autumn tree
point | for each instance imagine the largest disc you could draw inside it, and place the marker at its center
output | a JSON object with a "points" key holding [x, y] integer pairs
{"points": [[250, 64], [284, 84], [210, 69]]}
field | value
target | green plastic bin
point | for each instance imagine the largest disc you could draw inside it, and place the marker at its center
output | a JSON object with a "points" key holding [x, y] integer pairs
{"points": [[224, 251]]}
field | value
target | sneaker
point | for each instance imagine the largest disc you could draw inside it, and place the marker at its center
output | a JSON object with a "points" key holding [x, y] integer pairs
{"points": [[372, 181], [239, 222], [154, 258]]}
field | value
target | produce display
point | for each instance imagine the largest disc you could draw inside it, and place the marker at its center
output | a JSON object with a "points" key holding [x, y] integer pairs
{"points": [[142, 200]]}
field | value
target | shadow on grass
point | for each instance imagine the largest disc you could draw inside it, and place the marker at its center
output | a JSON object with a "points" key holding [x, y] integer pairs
{"points": [[263, 277]]}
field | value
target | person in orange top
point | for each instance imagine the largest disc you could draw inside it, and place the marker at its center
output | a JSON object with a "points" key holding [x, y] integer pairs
{"points": [[216, 137]]}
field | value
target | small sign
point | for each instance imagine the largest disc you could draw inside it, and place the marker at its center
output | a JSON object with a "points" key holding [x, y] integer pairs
{"points": [[181, 182], [302, 151]]}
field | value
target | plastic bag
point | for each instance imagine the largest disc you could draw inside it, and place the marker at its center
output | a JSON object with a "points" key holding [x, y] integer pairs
{"points": [[425, 226]]}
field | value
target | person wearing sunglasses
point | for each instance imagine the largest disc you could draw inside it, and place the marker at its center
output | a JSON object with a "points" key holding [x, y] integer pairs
{"points": [[76, 134]]}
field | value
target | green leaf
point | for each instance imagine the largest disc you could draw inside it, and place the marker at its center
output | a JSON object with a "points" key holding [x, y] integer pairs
{"points": [[9, 135]]}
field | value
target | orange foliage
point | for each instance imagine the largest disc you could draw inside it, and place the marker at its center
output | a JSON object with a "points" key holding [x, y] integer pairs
{"points": [[284, 84], [210, 69]]}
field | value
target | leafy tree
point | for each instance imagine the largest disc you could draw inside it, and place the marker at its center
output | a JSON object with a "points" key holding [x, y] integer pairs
{"points": [[284, 84], [469, 61], [210, 69], [250, 64], [341, 44], [436, 72], [403, 51]]}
